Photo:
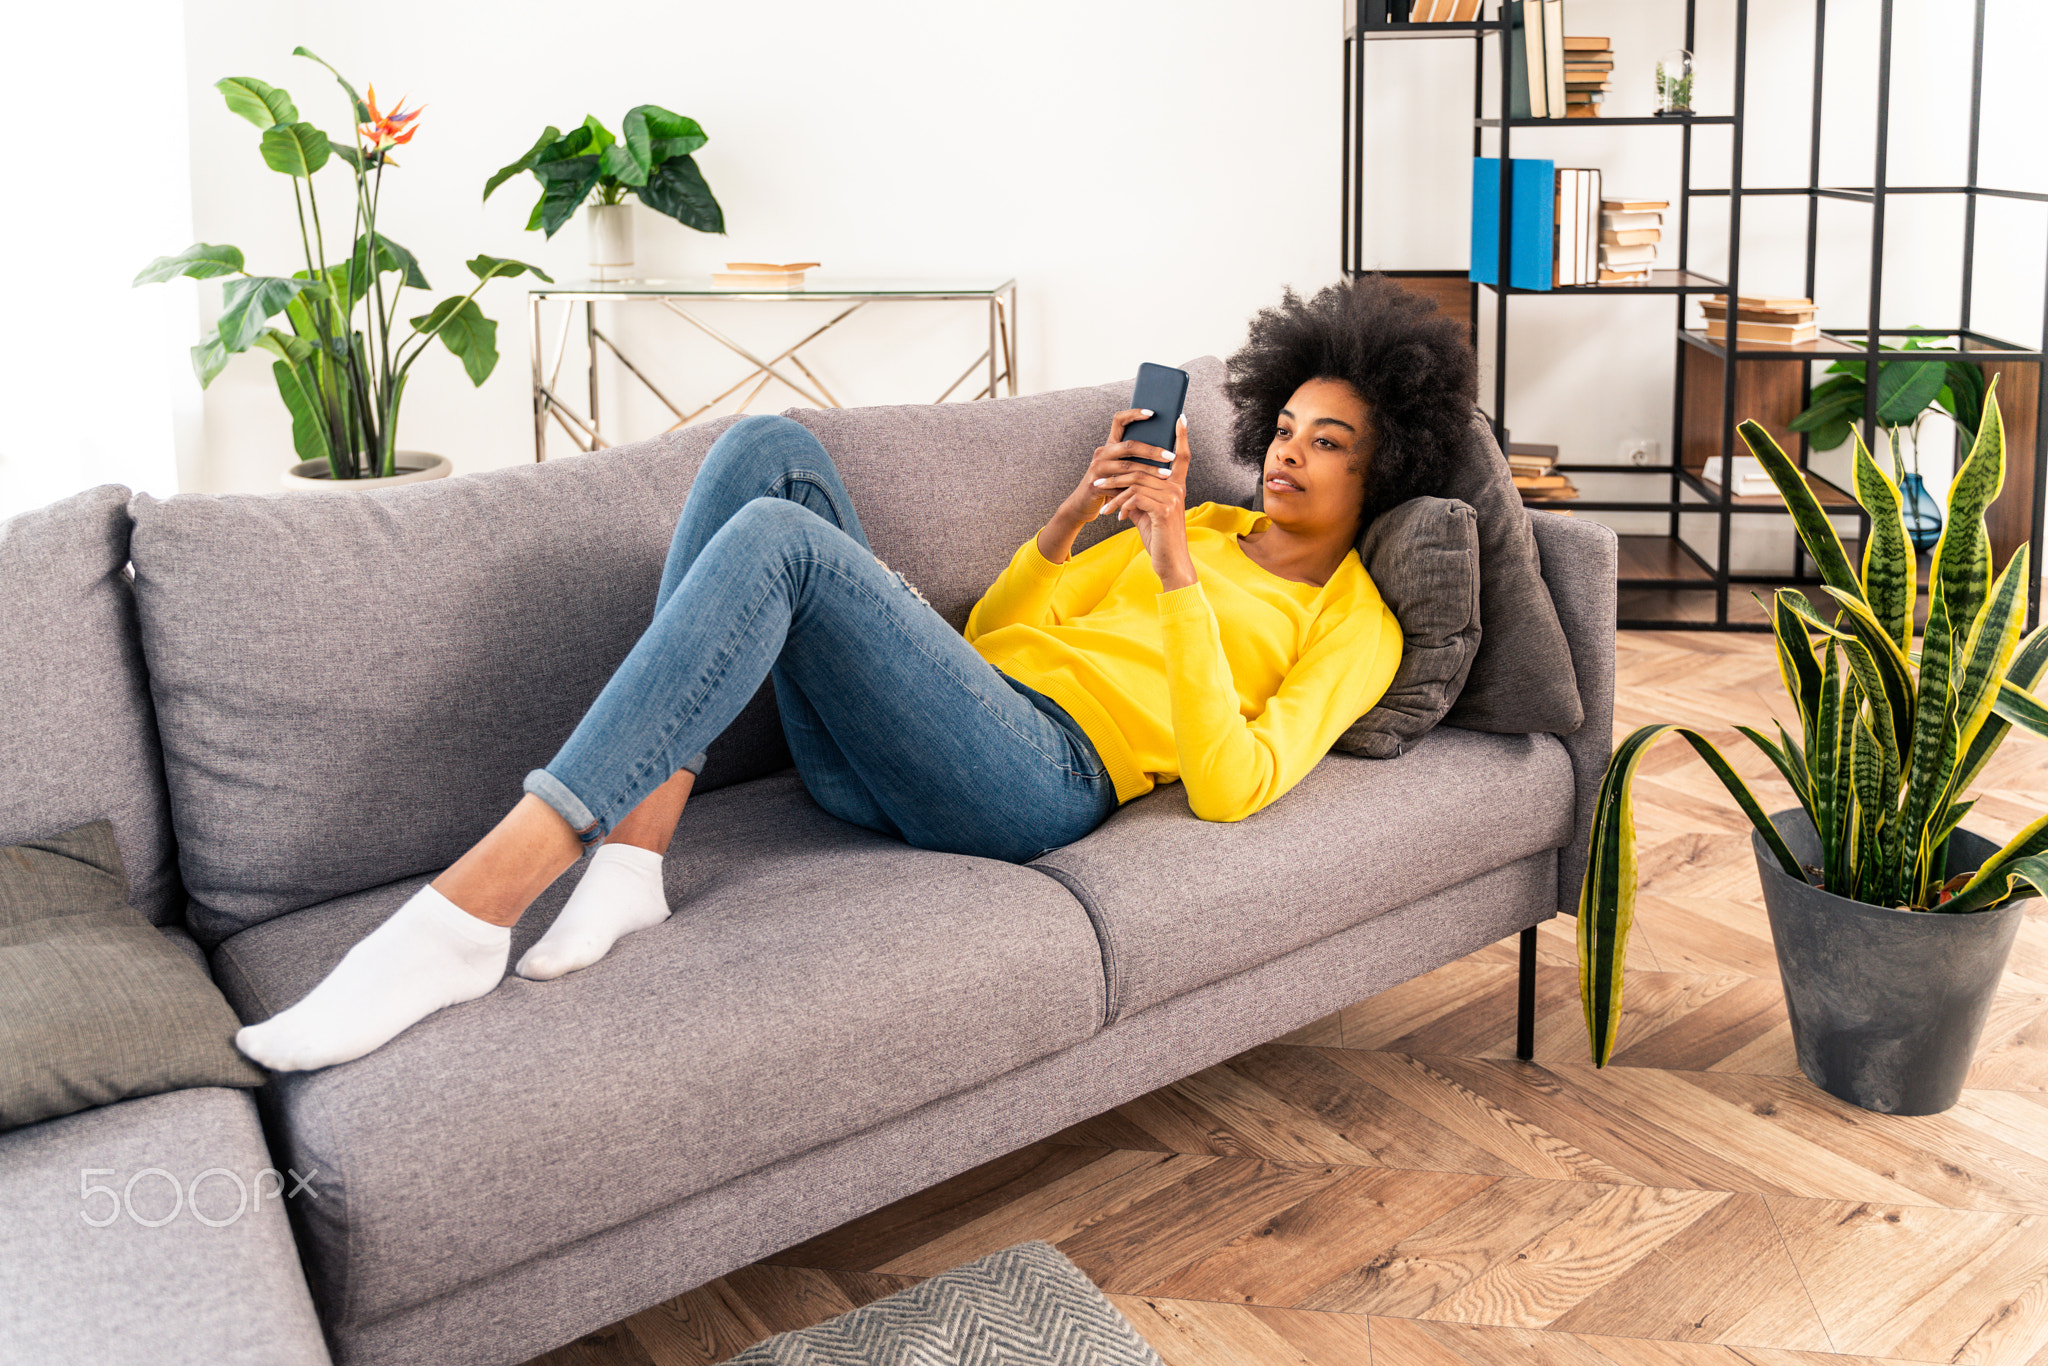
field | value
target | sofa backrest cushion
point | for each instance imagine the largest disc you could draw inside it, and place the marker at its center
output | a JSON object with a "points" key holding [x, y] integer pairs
{"points": [[990, 473], [78, 740], [351, 688]]}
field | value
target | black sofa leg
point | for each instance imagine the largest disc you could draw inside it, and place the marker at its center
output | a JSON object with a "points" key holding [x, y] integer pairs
{"points": [[1525, 1021]]}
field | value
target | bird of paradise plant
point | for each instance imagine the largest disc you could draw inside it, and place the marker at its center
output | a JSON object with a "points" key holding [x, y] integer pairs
{"points": [[1889, 738], [341, 374]]}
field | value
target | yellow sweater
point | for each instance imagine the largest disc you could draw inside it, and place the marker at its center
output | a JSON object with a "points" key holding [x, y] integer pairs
{"points": [[1235, 685]]}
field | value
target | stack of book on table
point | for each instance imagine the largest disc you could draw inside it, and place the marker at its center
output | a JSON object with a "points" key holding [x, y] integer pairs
{"points": [[1630, 230], [1588, 73], [763, 275], [1576, 229], [1534, 470], [1763, 318]]}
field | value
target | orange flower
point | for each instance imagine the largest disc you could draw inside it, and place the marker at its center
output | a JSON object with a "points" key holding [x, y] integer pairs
{"points": [[387, 130]]}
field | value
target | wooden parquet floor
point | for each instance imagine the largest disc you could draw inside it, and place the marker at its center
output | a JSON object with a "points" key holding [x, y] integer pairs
{"points": [[1389, 1187]]}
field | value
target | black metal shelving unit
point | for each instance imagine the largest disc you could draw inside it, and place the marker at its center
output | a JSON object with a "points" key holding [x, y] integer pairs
{"points": [[1670, 564]]}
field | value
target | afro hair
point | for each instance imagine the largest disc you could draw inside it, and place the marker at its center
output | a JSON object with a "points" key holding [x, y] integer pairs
{"points": [[1412, 365]]}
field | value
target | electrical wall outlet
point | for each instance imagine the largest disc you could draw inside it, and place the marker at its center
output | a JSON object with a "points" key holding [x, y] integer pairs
{"points": [[1639, 450]]}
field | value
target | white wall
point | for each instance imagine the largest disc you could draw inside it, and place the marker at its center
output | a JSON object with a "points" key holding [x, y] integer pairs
{"points": [[1150, 171], [94, 387], [1588, 374]]}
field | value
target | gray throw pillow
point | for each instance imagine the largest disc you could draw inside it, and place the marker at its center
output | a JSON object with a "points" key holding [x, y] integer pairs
{"points": [[100, 1006], [1522, 678], [1423, 556]]}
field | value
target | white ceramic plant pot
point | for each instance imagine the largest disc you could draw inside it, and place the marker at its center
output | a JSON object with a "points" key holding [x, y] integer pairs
{"points": [[414, 467], [611, 241]]}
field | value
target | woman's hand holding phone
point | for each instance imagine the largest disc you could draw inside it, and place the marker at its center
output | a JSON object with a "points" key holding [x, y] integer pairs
{"points": [[1087, 502], [1153, 500]]}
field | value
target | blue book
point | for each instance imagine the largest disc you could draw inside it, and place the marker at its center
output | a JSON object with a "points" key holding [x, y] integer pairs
{"points": [[1534, 231]]}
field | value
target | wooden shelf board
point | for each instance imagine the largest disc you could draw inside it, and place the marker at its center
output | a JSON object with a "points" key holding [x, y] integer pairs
{"points": [[1828, 494], [1658, 557]]}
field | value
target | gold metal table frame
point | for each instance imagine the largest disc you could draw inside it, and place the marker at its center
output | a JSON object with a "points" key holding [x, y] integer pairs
{"points": [[585, 431]]}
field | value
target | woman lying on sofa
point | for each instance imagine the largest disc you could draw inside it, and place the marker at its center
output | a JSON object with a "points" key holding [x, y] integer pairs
{"points": [[1220, 647]]}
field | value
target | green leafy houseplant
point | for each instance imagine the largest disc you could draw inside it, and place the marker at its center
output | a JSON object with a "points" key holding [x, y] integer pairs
{"points": [[650, 159], [1906, 391], [1889, 740], [341, 363]]}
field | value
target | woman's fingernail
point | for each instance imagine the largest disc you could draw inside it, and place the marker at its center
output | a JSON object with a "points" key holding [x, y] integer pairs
{"points": [[1162, 473], [1100, 482], [1183, 419], [1144, 412]]}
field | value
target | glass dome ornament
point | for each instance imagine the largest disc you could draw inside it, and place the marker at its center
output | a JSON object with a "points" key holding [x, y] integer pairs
{"points": [[1674, 82]]}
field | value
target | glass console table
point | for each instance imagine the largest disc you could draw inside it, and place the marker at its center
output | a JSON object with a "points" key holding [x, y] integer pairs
{"points": [[998, 363]]}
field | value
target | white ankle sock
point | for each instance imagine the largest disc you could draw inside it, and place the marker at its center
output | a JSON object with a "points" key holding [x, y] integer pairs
{"points": [[430, 954], [620, 893]]}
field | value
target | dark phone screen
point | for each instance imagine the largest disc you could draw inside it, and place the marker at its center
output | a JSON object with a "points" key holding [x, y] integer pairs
{"points": [[1164, 390]]}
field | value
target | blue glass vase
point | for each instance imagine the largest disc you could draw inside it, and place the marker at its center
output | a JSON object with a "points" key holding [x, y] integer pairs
{"points": [[1923, 514]]}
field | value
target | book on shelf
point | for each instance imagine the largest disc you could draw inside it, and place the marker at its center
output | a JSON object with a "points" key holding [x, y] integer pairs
{"points": [[1575, 227], [1622, 204], [1750, 479], [1531, 450], [1622, 258], [1772, 301], [1638, 276], [1633, 237], [1773, 334], [1531, 236], [1443, 11], [1528, 469], [1553, 55], [1542, 481], [1526, 85], [1623, 221], [1760, 315], [1585, 43]]}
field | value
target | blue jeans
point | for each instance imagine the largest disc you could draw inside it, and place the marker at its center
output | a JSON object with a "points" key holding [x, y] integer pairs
{"points": [[894, 722]]}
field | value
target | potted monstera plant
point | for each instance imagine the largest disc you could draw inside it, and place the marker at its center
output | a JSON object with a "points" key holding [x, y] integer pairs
{"points": [[342, 359], [1891, 922]]}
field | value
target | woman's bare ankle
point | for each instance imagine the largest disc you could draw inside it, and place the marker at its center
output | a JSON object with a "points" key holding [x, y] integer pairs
{"points": [[504, 871]]}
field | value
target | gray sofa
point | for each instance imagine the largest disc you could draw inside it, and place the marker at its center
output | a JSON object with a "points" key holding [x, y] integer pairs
{"points": [[334, 696]]}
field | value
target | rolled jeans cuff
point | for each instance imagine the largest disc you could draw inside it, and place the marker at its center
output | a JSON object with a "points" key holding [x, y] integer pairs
{"points": [[582, 820]]}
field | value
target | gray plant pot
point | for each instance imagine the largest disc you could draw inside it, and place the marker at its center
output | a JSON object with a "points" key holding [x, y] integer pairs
{"points": [[1886, 1005]]}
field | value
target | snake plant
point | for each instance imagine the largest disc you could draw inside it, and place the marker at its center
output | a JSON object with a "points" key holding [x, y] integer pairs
{"points": [[1888, 739]]}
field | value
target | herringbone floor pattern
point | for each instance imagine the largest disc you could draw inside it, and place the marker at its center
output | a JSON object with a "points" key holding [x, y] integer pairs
{"points": [[1389, 1187]]}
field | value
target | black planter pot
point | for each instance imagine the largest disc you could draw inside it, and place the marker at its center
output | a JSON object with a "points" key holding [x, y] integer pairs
{"points": [[1886, 1005]]}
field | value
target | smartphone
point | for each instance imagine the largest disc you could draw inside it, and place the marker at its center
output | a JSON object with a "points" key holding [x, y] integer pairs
{"points": [[1164, 390]]}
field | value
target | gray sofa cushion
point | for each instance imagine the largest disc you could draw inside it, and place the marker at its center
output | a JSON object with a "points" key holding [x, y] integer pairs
{"points": [[1521, 679], [1179, 903], [1030, 451], [100, 1006], [351, 689], [78, 739], [205, 1287], [1423, 556], [815, 979]]}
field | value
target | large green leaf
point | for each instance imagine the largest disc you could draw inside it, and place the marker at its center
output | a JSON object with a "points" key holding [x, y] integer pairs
{"points": [[463, 329], [1797, 668], [620, 162], [669, 134], [1906, 388], [201, 261], [286, 347], [1964, 402], [296, 149], [263, 105], [526, 161], [1815, 531], [209, 357], [2029, 663], [356, 105], [1891, 674], [1891, 572], [677, 188], [248, 304], [492, 267], [391, 259], [1607, 897], [565, 183], [1986, 657], [309, 430]]}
